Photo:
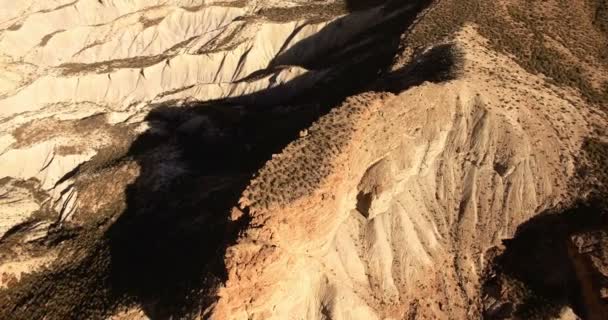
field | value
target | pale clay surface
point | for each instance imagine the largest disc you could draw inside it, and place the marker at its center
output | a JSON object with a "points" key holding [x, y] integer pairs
{"points": [[67, 61]]}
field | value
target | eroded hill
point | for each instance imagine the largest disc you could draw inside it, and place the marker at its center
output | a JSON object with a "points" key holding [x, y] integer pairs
{"points": [[303, 160]]}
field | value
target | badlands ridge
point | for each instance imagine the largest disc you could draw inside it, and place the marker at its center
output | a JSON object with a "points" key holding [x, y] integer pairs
{"points": [[294, 159]]}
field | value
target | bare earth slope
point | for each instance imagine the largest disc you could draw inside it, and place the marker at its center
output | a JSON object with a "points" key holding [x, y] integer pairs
{"points": [[293, 159], [417, 188]]}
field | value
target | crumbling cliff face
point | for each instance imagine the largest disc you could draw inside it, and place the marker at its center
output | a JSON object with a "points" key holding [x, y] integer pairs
{"points": [[290, 160]]}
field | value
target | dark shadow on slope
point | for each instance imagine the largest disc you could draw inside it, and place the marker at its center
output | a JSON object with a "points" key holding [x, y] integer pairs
{"points": [[438, 64], [542, 269], [354, 35], [165, 250], [356, 5]]}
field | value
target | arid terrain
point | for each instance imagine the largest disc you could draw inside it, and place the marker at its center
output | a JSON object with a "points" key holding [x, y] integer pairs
{"points": [[303, 159]]}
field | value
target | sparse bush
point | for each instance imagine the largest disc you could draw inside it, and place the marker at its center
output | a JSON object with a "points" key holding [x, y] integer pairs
{"points": [[523, 34]]}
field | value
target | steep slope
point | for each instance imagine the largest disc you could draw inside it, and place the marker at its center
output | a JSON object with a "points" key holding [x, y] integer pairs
{"points": [[387, 206], [129, 130], [72, 89], [292, 159]]}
